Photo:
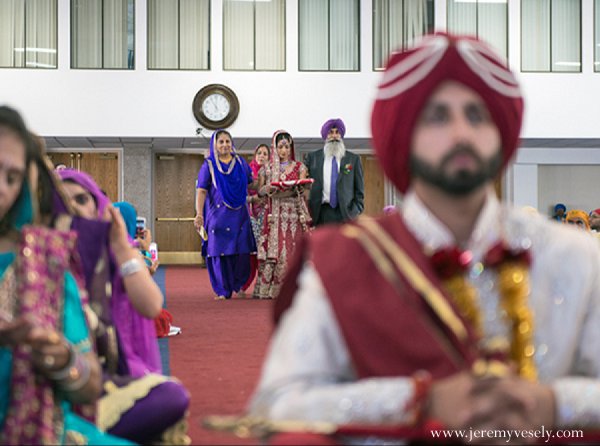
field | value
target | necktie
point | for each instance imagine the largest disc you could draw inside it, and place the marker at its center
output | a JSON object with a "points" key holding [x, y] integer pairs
{"points": [[333, 201]]}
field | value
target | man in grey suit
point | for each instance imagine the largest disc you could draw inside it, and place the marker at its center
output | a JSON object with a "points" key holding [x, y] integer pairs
{"points": [[335, 166]]}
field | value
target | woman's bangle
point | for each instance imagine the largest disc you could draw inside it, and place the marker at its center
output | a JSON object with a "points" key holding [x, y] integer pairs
{"points": [[78, 377], [57, 375], [130, 267]]}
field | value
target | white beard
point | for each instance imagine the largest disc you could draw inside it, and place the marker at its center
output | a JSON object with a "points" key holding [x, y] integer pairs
{"points": [[335, 148]]}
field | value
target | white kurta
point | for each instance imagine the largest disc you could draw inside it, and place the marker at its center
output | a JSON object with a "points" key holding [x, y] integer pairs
{"points": [[308, 373]]}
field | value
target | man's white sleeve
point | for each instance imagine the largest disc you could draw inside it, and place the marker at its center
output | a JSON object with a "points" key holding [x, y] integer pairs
{"points": [[578, 395], [308, 374]]}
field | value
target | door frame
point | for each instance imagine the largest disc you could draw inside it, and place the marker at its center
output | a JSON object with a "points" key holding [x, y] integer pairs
{"points": [[119, 150], [172, 259]]}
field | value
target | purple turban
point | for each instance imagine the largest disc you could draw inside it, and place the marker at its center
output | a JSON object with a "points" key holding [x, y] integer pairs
{"points": [[333, 123]]}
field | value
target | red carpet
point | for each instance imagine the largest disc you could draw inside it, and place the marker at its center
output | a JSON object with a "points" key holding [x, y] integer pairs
{"points": [[219, 354]]}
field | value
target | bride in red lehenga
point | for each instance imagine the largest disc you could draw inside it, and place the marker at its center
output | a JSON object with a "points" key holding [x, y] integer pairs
{"points": [[286, 214]]}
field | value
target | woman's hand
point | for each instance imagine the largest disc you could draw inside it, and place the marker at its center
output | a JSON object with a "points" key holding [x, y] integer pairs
{"points": [[198, 221], [144, 238], [272, 189], [49, 350], [118, 239], [152, 268], [14, 332]]}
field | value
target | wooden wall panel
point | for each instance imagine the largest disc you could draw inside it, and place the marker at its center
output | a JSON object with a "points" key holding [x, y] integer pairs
{"points": [[102, 166], [64, 158], [175, 188], [374, 185]]}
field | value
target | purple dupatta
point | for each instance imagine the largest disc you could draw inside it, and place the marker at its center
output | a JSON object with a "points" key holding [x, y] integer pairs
{"points": [[233, 181], [137, 334]]}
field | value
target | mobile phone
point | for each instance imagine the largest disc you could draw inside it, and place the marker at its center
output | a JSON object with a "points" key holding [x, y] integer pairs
{"points": [[140, 225], [153, 250]]}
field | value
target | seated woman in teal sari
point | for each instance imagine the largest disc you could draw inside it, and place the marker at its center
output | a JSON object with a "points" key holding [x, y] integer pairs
{"points": [[46, 363]]}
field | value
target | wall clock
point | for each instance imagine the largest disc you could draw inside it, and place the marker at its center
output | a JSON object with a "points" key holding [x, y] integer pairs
{"points": [[215, 106]]}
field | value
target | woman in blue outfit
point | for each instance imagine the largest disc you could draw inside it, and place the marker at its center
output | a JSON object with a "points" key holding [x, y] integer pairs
{"points": [[46, 362], [221, 191]]}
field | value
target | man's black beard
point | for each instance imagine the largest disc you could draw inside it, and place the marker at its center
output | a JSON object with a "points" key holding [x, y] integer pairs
{"points": [[462, 182]]}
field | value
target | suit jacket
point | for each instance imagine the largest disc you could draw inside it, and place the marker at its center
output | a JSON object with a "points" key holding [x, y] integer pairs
{"points": [[350, 184]]}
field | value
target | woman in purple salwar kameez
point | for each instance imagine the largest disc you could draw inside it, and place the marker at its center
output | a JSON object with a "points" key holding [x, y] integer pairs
{"points": [[221, 191], [138, 402]]}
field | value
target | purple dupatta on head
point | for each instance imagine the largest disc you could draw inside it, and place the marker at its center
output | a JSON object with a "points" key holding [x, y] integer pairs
{"points": [[231, 179], [92, 234], [137, 335]]}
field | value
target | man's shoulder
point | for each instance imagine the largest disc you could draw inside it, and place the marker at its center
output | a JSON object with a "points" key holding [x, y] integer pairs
{"points": [[336, 238], [313, 154], [352, 154]]}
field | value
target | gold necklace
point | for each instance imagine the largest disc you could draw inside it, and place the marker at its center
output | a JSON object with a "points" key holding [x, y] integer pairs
{"points": [[230, 167]]}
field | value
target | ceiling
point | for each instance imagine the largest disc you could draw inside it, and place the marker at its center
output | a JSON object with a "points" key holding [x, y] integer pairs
{"points": [[242, 144]]}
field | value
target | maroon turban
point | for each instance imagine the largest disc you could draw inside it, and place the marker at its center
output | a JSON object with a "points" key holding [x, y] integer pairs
{"points": [[412, 76], [333, 123]]}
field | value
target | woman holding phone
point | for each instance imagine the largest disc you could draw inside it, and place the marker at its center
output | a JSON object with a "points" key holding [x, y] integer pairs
{"points": [[138, 401]]}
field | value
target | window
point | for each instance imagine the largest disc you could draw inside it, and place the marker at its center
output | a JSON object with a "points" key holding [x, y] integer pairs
{"points": [[551, 35], [254, 35], [28, 33], [178, 34], [396, 23], [329, 35], [488, 20], [102, 34]]}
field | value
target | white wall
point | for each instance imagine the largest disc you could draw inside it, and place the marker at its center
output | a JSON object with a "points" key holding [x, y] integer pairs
{"points": [[65, 102], [574, 186], [543, 177]]}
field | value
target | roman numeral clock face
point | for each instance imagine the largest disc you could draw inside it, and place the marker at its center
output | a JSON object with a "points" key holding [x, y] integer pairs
{"points": [[215, 106]]}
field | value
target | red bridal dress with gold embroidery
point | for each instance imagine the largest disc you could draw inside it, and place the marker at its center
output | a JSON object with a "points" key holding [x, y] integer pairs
{"points": [[286, 218]]}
